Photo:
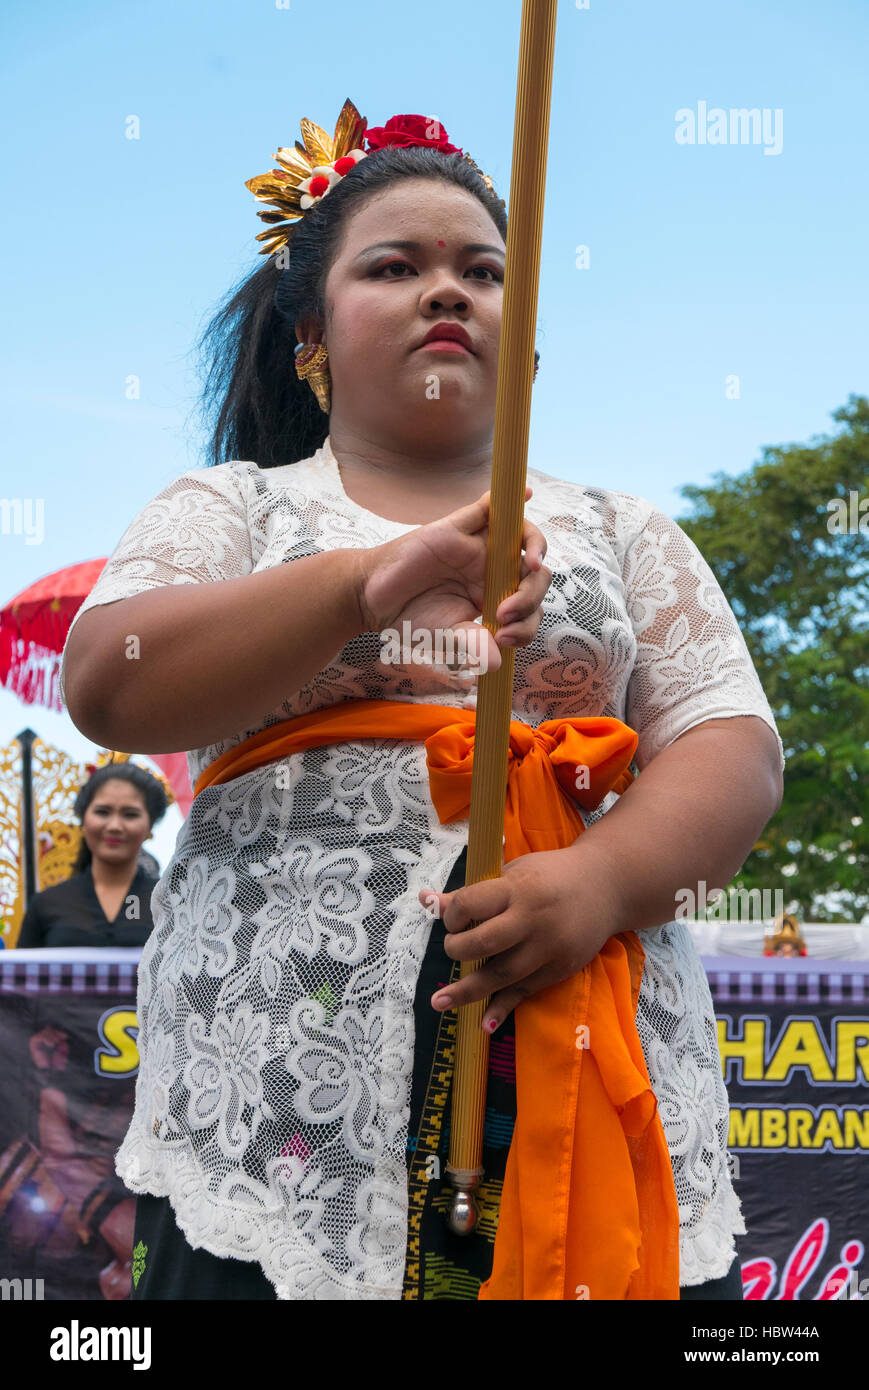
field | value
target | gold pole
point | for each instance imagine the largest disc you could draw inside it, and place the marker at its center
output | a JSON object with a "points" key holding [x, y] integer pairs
{"points": [[503, 562]]}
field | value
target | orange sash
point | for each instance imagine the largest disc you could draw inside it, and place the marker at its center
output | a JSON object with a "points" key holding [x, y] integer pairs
{"points": [[588, 1208]]}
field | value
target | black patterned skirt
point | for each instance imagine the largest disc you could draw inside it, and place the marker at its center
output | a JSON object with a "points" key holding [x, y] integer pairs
{"points": [[439, 1264]]}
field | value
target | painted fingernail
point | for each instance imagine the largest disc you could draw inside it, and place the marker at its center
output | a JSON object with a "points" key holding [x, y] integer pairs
{"points": [[490, 1025]]}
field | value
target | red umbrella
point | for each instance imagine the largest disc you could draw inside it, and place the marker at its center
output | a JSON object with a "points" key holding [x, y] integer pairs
{"points": [[33, 629]]}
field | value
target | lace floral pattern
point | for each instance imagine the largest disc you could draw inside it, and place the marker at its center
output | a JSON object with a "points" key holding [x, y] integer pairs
{"points": [[276, 990]]}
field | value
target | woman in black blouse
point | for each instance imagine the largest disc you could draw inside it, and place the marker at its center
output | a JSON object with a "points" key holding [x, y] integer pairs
{"points": [[107, 900]]}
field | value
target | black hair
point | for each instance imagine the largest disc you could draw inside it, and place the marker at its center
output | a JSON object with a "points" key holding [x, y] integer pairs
{"points": [[260, 408], [156, 800]]}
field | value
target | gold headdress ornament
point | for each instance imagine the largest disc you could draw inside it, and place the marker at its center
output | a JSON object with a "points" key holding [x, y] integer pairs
{"points": [[308, 171], [109, 755]]}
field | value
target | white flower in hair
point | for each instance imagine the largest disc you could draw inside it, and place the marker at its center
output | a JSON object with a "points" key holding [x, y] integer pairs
{"points": [[325, 176]]}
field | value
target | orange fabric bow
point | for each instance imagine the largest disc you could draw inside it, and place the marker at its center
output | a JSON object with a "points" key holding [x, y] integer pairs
{"points": [[588, 1208]]}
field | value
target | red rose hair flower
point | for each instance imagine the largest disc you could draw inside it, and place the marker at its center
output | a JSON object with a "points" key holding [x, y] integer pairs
{"points": [[402, 131]]}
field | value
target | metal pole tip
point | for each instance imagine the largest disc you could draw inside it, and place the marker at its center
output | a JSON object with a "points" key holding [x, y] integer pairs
{"points": [[464, 1213]]}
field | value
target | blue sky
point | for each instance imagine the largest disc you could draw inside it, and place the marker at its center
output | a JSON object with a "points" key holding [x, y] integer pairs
{"points": [[705, 261]]}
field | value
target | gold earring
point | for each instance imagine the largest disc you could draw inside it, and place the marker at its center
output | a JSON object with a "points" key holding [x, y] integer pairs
{"points": [[312, 361]]}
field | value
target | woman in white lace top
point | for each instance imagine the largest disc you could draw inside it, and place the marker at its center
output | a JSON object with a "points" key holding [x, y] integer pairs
{"points": [[281, 1010]]}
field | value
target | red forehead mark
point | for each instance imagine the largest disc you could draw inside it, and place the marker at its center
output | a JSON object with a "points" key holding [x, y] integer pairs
{"points": [[441, 243]]}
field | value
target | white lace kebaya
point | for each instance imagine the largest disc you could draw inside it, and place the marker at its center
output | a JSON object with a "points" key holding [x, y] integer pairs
{"points": [[276, 990]]}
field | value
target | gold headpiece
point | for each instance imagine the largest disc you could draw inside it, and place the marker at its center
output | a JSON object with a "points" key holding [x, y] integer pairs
{"points": [[308, 171], [785, 931]]}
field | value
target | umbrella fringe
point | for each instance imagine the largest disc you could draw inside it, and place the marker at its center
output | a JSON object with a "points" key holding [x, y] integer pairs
{"points": [[32, 673]]}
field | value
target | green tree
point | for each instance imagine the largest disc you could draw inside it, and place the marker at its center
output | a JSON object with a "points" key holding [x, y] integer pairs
{"points": [[800, 590]]}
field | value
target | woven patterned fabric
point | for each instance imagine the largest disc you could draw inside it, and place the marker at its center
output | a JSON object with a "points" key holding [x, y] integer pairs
{"points": [[440, 1265], [276, 990]]}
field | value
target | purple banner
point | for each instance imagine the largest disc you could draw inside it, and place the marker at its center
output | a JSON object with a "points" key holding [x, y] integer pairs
{"points": [[794, 1041]]}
